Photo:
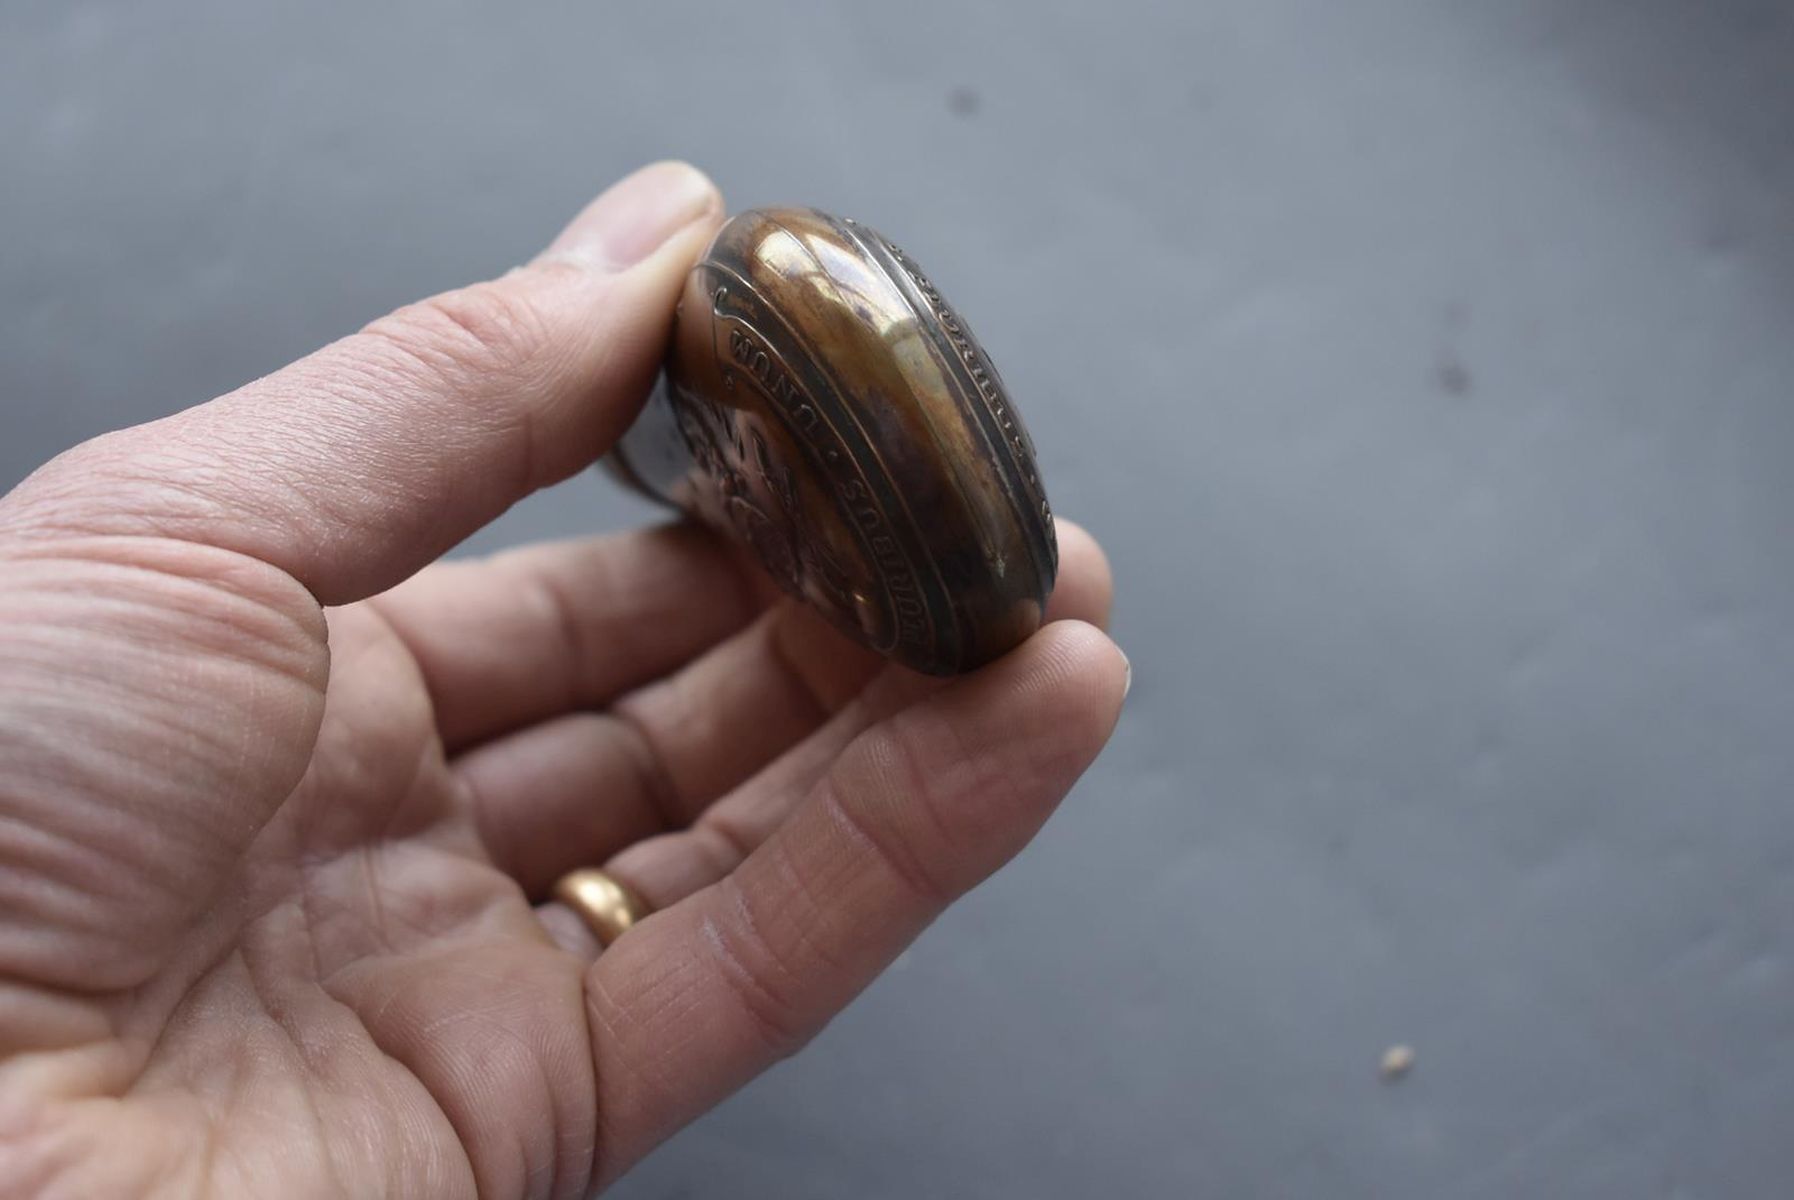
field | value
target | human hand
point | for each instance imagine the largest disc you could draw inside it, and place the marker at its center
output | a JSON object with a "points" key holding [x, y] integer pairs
{"points": [[280, 807]]}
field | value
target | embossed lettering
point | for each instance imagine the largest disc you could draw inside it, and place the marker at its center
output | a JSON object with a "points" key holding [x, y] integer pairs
{"points": [[761, 363], [973, 359]]}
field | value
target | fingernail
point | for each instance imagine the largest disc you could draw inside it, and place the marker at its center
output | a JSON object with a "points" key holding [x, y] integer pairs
{"points": [[1127, 683], [635, 217]]}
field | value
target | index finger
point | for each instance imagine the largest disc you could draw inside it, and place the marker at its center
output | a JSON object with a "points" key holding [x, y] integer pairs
{"points": [[700, 997], [360, 463]]}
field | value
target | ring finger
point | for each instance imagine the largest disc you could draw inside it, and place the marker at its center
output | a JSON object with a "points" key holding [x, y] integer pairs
{"points": [[672, 864]]}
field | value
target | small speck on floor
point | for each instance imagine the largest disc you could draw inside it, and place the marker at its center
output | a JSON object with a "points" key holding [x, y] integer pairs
{"points": [[1453, 378]]}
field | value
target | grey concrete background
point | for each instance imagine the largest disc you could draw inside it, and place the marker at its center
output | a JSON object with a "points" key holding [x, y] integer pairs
{"points": [[1427, 367]]}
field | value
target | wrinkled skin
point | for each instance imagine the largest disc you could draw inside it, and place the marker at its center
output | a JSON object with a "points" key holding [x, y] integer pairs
{"points": [[280, 804]]}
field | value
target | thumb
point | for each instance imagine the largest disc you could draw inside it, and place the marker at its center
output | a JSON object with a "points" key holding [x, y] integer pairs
{"points": [[161, 686], [360, 463]]}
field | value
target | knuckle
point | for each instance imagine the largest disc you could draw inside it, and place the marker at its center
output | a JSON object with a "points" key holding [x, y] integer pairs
{"points": [[719, 843], [891, 766], [487, 328], [161, 481], [114, 457], [761, 984]]}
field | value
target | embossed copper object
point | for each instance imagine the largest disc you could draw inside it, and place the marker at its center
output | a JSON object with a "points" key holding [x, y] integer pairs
{"points": [[821, 403]]}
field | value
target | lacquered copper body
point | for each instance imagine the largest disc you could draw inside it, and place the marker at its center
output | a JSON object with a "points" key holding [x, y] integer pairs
{"points": [[824, 405]]}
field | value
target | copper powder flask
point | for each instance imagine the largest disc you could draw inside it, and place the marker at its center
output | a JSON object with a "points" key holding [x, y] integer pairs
{"points": [[823, 405]]}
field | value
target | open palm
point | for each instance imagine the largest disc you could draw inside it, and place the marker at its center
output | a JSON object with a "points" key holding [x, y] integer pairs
{"points": [[278, 811]]}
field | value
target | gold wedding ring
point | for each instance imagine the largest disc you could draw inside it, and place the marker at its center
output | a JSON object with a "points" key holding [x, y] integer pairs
{"points": [[607, 906]]}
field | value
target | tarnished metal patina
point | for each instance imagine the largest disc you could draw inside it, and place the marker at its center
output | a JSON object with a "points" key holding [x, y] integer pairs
{"points": [[824, 405]]}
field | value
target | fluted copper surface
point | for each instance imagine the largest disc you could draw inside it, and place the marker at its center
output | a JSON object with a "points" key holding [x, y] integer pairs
{"points": [[823, 404]]}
